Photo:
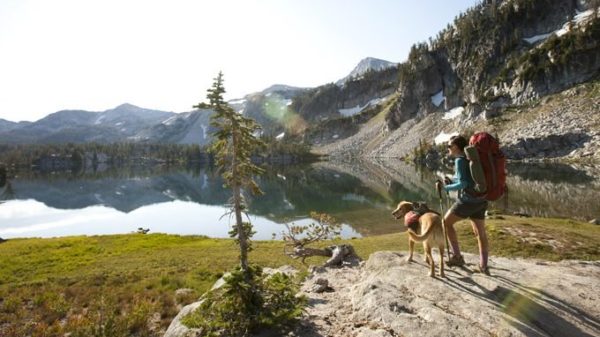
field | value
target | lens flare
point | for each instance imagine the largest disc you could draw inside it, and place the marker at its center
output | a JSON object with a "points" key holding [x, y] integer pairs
{"points": [[278, 109]]}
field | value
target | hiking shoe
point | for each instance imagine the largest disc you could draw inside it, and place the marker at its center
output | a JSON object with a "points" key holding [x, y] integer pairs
{"points": [[484, 270], [455, 260]]}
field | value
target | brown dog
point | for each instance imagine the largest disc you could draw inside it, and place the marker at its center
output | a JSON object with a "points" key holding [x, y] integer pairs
{"points": [[430, 225]]}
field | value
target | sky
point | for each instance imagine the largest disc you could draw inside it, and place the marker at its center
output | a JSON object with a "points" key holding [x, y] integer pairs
{"points": [[95, 55]]}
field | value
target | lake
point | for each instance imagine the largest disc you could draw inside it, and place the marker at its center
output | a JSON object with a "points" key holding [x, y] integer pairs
{"points": [[360, 194]]}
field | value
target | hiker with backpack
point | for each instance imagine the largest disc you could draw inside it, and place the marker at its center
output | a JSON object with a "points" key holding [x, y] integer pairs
{"points": [[477, 181]]}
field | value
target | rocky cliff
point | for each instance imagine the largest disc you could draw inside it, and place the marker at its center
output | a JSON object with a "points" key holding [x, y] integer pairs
{"points": [[284, 110], [558, 127], [335, 101], [526, 70]]}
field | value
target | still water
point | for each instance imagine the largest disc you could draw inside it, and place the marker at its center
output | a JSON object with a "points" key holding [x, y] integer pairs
{"points": [[360, 195]]}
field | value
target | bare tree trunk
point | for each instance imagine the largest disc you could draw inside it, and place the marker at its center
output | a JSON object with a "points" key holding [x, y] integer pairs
{"points": [[237, 204], [304, 252], [240, 230], [338, 254]]}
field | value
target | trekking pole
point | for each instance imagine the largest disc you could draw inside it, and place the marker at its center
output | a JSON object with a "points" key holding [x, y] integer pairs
{"points": [[443, 222]]}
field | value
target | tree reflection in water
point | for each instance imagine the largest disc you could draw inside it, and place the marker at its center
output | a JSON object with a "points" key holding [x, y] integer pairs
{"points": [[360, 194]]}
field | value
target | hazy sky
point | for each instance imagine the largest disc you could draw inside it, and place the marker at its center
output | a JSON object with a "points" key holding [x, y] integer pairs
{"points": [[95, 55]]}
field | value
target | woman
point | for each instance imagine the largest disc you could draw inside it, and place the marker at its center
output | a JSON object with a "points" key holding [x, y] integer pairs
{"points": [[466, 206]]}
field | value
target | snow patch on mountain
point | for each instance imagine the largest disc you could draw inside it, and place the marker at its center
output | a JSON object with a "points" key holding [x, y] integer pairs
{"points": [[170, 120], [204, 130], [578, 20], [357, 109], [438, 98], [351, 111], [99, 120], [453, 113], [237, 101], [443, 137], [537, 38]]}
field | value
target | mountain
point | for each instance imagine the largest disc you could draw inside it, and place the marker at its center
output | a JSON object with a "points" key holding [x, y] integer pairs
{"points": [[282, 109], [278, 109], [499, 66], [270, 107], [130, 119], [364, 66], [500, 53], [525, 70], [332, 111], [81, 126], [186, 128], [8, 125], [282, 89]]}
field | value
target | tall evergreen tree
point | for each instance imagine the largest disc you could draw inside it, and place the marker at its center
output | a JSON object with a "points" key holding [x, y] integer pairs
{"points": [[234, 142], [595, 5]]}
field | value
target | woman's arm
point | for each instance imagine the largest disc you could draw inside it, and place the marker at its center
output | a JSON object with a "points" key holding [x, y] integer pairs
{"points": [[460, 181]]}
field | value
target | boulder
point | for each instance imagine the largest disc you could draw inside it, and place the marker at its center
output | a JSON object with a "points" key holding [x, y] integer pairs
{"points": [[388, 296], [320, 285], [177, 329], [490, 113], [473, 110]]}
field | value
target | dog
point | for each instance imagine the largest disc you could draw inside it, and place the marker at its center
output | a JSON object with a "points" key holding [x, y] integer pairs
{"points": [[430, 224]]}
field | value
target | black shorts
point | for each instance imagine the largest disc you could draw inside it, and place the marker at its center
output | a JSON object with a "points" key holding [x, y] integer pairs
{"points": [[472, 210]]}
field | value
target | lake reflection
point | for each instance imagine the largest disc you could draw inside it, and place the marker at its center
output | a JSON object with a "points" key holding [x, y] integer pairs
{"points": [[361, 195], [26, 218]]}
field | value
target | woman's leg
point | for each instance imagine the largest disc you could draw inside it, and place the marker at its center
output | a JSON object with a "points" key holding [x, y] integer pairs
{"points": [[479, 229], [449, 220]]}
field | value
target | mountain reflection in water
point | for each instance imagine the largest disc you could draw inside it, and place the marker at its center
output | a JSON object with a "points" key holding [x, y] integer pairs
{"points": [[359, 194]]}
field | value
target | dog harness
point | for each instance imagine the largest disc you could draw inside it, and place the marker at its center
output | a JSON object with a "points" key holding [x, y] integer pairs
{"points": [[411, 220]]}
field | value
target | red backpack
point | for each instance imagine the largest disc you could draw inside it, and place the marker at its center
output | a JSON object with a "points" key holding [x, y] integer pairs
{"points": [[488, 166]]}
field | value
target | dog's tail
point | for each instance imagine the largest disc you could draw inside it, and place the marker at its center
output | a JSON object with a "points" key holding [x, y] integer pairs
{"points": [[420, 238]]}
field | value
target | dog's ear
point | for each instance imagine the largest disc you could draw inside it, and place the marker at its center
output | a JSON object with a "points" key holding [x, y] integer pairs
{"points": [[406, 206], [398, 207]]}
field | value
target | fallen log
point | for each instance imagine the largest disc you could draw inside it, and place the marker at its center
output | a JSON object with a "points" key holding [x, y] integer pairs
{"points": [[337, 254]]}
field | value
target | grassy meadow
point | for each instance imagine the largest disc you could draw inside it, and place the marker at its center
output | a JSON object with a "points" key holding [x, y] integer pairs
{"points": [[124, 285]]}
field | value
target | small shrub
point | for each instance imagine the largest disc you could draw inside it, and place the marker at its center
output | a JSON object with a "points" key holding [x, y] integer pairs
{"points": [[11, 304], [56, 307], [103, 319], [247, 303], [280, 302], [137, 318], [186, 298]]}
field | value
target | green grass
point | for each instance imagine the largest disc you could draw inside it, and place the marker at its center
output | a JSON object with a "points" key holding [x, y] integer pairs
{"points": [[46, 280], [110, 285], [579, 240]]}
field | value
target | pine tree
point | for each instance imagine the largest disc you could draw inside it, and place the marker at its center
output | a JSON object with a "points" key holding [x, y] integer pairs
{"points": [[595, 5], [234, 142]]}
